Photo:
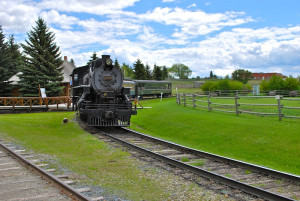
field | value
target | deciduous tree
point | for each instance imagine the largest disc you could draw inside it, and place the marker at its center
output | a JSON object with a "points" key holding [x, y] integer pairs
{"points": [[181, 71], [241, 75]]}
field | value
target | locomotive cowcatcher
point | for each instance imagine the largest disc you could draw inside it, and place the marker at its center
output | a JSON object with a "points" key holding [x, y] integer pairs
{"points": [[99, 96]]}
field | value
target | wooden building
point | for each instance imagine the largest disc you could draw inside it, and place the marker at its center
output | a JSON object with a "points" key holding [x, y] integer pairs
{"points": [[68, 68]]}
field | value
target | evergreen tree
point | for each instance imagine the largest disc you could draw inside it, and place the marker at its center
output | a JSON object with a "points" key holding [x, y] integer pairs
{"points": [[157, 73], [139, 71], [92, 58], [148, 73], [42, 65], [72, 61], [117, 63], [4, 65], [165, 73], [15, 56]]}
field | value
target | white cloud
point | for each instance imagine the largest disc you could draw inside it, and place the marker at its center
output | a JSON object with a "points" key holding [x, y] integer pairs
{"points": [[95, 7], [64, 21], [164, 1], [128, 35], [192, 5], [17, 16], [194, 23]]}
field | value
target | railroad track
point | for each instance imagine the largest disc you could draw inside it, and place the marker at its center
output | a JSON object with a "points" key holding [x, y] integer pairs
{"points": [[261, 182], [22, 179]]}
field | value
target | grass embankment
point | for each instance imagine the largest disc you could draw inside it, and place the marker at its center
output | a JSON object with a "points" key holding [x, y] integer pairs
{"points": [[260, 140], [81, 152]]}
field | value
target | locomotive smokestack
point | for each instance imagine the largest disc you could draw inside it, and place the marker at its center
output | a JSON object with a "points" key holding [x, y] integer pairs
{"points": [[104, 57]]}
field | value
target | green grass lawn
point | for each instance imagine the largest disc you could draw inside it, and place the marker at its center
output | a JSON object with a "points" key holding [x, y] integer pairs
{"points": [[260, 140], [81, 152]]}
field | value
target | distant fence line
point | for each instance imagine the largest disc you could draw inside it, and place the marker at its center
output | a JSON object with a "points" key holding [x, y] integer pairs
{"points": [[31, 102], [193, 100]]}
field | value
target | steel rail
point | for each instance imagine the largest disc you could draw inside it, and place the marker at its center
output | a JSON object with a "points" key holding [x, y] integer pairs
{"points": [[64, 188], [219, 178], [257, 168]]}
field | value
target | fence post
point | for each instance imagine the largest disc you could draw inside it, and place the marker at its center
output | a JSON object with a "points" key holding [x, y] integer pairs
{"points": [[278, 97], [208, 102], [184, 102], [194, 101], [179, 99], [236, 104]]}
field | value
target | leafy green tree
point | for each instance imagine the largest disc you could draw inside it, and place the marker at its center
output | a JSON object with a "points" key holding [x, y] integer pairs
{"points": [[157, 73], [291, 84], [92, 58], [127, 71], [148, 73], [276, 83], [42, 65], [139, 71], [180, 70], [241, 75], [5, 73]]}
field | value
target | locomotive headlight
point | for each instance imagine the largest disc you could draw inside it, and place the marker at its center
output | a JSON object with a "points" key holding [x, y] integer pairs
{"points": [[108, 62]]}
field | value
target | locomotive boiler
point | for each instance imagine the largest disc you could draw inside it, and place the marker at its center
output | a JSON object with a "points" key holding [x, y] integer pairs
{"points": [[99, 96]]}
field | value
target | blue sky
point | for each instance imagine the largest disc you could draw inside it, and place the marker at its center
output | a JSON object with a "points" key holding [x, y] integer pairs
{"points": [[206, 35]]}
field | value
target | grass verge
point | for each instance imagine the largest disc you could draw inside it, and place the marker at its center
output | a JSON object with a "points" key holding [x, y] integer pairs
{"points": [[260, 140], [81, 152]]}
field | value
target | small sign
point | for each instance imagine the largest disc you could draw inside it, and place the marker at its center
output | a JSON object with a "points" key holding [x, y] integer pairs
{"points": [[277, 97], [43, 92]]}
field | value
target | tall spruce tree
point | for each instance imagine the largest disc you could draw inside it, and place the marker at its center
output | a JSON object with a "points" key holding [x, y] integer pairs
{"points": [[157, 73], [42, 65], [148, 73], [15, 56], [117, 63], [4, 66], [165, 73], [139, 72], [92, 58]]}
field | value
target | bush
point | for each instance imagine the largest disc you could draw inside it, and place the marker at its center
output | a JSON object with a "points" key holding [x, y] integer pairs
{"points": [[224, 85], [235, 85], [209, 86], [291, 84], [277, 83]]}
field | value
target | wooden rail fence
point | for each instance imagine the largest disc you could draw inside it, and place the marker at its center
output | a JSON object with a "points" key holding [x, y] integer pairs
{"points": [[31, 102], [194, 100]]}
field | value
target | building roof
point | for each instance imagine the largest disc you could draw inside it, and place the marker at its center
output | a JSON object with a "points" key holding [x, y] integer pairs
{"points": [[266, 75], [15, 79], [68, 68]]}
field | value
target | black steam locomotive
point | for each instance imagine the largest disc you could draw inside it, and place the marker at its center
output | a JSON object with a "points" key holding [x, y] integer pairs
{"points": [[99, 96]]}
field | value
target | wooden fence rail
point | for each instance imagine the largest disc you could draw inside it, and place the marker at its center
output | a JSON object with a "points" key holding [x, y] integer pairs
{"points": [[31, 102], [193, 100]]}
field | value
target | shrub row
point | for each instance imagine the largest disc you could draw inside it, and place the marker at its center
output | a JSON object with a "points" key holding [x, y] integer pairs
{"points": [[278, 83], [225, 85]]}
